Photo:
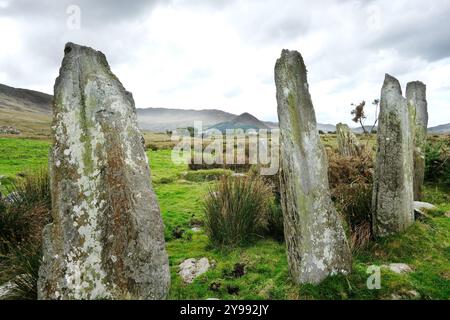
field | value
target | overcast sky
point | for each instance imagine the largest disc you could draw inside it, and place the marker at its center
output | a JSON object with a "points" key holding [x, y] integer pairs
{"points": [[204, 54]]}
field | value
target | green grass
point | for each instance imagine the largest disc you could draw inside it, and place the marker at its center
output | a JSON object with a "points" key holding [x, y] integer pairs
{"points": [[21, 156], [425, 246]]}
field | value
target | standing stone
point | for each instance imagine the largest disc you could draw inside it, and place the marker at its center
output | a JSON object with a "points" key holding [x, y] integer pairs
{"points": [[417, 99], [106, 240], [392, 201], [315, 239], [348, 145]]}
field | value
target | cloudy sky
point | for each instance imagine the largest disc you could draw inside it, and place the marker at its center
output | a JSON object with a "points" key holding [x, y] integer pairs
{"points": [[204, 54]]}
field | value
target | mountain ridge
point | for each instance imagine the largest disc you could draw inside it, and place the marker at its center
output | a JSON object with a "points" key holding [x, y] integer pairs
{"points": [[30, 111]]}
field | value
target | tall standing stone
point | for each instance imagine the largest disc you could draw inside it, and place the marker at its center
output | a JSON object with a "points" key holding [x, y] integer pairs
{"points": [[348, 144], [107, 239], [417, 99], [392, 201], [315, 239]]}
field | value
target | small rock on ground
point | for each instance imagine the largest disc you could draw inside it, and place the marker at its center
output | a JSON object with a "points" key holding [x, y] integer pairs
{"points": [[407, 295], [192, 268], [399, 267], [423, 207]]}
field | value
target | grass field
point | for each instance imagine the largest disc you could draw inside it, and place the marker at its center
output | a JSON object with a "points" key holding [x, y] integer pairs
{"points": [[425, 246]]}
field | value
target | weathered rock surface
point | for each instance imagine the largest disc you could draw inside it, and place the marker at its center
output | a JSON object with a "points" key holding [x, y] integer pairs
{"points": [[315, 239], [106, 240], [192, 268], [348, 144], [392, 201], [417, 100]]}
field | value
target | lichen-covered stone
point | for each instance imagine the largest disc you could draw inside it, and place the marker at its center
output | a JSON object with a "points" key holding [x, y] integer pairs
{"points": [[392, 201], [417, 99], [106, 240], [315, 239], [348, 144]]}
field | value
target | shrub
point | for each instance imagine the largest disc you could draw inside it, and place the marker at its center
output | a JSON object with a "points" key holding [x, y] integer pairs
{"points": [[437, 160], [236, 210], [354, 201], [349, 170], [274, 225]]}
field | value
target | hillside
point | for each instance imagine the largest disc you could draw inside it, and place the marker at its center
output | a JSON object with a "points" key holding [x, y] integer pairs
{"points": [[244, 121], [444, 128], [27, 110]]}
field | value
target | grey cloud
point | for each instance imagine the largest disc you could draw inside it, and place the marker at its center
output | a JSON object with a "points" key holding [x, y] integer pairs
{"points": [[93, 12], [426, 35]]}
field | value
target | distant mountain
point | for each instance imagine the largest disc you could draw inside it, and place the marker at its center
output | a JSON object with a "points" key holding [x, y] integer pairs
{"points": [[244, 121], [162, 119], [444, 128], [326, 127]]}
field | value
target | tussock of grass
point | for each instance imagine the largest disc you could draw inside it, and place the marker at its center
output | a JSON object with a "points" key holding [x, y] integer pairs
{"points": [[236, 210], [22, 218]]}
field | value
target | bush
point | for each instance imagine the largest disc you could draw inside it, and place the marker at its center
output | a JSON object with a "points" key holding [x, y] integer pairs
{"points": [[274, 226], [354, 201], [349, 170], [437, 160], [236, 210]]}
